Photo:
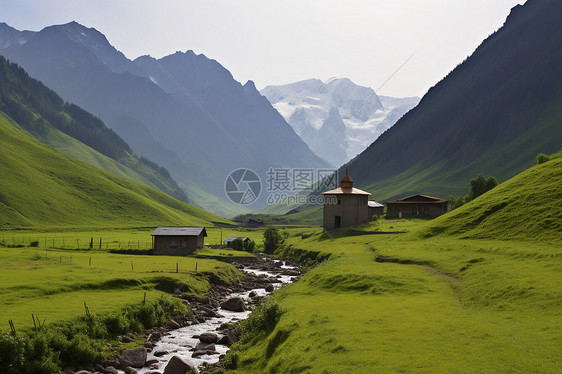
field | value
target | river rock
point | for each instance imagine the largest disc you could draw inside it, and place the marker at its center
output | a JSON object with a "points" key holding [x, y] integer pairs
{"points": [[228, 339], [269, 288], [253, 294], [178, 366], [201, 353], [151, 362], [133, 357], [160, 353], [173, 325], [110, 370], [205, 347], [208, 338], [235, 304], [83, 372], [129, 370]]}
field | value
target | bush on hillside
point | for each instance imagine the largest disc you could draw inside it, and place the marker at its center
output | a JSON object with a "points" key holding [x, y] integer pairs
{"points": [[542, 158], [479, 185], [238, 244], [271, 239], [80, 340]]}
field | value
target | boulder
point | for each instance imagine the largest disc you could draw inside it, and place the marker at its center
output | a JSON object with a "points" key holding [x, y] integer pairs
{"points": [[235, 304], [208, 338], [173, 325], [252, 294], [178, 366], [82, 372], [204, 347], [134, 357], [228, 339], [269, 288], [151, 362], [110, 370]]}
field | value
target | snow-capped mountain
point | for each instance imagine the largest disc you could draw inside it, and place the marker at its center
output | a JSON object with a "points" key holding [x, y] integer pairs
{"points": [[338, 119]]}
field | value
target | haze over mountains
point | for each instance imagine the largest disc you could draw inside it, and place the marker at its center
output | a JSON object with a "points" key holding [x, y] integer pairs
{"points": [[184, 111], [492, 114], [338, 119]]}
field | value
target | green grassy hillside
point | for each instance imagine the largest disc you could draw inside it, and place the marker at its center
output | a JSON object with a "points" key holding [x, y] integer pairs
{"points": [[40, 187], [527, 207], [73, 131], [492, 114], [476, 290]]}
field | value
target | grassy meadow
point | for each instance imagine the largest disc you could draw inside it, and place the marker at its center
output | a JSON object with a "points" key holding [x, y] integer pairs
{"points": [[55, 278], [476, 290], [437, 305]]}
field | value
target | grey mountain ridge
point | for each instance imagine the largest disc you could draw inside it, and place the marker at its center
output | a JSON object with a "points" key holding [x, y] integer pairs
{"points": [[183, 111]]}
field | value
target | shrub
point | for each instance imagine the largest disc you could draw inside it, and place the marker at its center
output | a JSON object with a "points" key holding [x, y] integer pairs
{"points": [[80, 340], [271, 239], [11, 353], [542, 158], [250, 246], [263, 318], [237, 244]]}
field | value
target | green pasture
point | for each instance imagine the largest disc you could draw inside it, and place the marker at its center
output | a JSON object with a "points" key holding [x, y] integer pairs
{"points": [[442, 305], [55, 284]]}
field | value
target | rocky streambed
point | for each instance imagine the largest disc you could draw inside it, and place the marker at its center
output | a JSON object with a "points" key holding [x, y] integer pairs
{"points": [[197, 341]]}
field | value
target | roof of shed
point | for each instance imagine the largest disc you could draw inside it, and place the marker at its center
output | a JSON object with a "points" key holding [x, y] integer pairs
{"points": [[416, 199], [179, 231], [233, 238]]}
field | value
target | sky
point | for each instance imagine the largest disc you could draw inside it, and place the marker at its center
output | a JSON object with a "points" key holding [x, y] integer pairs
{"points": [[397, 47]]}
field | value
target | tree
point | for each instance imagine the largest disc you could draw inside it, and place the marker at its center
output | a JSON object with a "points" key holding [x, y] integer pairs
{"points": [[249, 246], [479, 185], [271, 239], [238, 244]]}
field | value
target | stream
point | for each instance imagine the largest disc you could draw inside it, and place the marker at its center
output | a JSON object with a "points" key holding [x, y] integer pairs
{"points": [[182, 341]]}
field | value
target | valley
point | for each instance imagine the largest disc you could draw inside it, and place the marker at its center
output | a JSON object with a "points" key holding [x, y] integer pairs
{"points": [[159, 216]]}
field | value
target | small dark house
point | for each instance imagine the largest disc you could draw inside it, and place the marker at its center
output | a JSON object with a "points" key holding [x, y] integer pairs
{"points": [[230, 239], [177, 241], [418, 206], [375, 209], [255, 223]]}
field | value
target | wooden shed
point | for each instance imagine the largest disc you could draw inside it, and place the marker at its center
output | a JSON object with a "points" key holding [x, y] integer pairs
{"points": [[417, 206], [177, 241]]}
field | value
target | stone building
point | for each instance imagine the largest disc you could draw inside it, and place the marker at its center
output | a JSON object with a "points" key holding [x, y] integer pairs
{"points": [[345, 206]]}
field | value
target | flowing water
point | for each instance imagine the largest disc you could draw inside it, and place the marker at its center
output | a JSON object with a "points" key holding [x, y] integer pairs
{"points": [[180, 342]]}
